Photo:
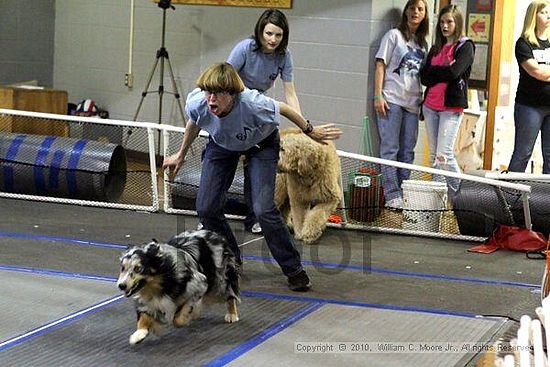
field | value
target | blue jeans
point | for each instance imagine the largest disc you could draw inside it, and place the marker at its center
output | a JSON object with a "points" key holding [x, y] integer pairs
{"points": [[529, 121], [398, 132], [218, 170], [442, 128]]}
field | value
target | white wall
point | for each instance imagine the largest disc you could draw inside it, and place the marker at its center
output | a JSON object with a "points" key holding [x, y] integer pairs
{"points": [[26, 41], [333, 44]]}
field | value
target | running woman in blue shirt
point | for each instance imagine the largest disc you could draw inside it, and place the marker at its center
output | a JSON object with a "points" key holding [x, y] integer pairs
{"points": [[243, 122]]}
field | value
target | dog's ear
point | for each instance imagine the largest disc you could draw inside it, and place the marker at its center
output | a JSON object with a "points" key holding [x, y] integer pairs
{"points": [[289, 154], [152, 248], [310, 158], [126, 253]]}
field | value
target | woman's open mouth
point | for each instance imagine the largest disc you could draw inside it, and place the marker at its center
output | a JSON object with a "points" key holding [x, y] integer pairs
{"points": [[214, 108]]}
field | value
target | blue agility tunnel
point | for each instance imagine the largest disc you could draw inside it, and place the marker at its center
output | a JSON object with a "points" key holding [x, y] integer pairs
{"points": [[61, 167]]}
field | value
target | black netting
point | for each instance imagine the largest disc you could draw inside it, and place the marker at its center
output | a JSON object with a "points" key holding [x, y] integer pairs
{"points": [[74, 160], [184, 187], [92, 161], [480, 207], [474, 210], [428, 205]]}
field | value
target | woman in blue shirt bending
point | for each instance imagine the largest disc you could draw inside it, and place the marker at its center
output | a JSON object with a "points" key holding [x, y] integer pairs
{"points": [[243, 122]]}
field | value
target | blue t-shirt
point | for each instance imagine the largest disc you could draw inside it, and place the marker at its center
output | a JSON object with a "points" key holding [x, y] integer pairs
{"points": [[253, 118], [257, 69]]}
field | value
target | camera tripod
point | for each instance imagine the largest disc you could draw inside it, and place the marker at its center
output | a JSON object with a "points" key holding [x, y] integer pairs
{"points": [[161, 58]]}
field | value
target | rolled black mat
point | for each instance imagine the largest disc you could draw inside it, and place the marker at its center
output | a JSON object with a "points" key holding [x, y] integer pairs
{"points": [[61, 167], [186, 187], [479, 207]]}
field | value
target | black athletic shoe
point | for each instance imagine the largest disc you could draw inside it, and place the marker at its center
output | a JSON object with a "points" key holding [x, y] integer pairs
{"points": [[299, 282]]}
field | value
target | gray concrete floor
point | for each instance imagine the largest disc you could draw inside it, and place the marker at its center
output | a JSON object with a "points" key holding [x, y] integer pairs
{"points": [[346, 267]]}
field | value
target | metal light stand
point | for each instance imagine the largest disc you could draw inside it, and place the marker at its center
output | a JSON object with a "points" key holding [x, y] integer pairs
{"points": [[162, 55]]}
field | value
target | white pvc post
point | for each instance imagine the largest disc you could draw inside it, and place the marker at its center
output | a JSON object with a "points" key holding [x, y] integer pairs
{"points": [[526, 210], [509, 361], [523, 341], [343, 202], [546, 317], [540, 315], [539, 357], [153, 164], [167, 196], [514, 345]]}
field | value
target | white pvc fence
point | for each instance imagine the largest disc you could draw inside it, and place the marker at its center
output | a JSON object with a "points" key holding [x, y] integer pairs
{"points": [[144, 191], [527, 348]]}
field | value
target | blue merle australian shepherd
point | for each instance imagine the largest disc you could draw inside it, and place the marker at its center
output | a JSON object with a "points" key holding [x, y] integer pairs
{"points": [[168, 281]]}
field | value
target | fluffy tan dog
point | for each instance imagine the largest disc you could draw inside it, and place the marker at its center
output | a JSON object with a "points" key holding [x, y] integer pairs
{"points": [[307, 189]]}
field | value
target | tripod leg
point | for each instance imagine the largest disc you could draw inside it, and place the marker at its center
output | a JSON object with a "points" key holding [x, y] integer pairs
{"points": [[143, 94], [176, 93], [161, 94], [145, 90], [175, 89], [161, 88]]}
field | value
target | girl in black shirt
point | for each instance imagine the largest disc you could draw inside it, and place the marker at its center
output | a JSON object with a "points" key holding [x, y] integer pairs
{"points": [[532, 104]]}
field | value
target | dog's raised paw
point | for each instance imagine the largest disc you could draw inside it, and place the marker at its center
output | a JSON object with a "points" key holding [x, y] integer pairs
{"points": [[182, 319], [138, 336], [309, 241], [185, 316], [310, 237], [231, 318]]}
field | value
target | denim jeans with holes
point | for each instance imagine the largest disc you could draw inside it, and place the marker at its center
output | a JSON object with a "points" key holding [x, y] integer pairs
{"points": [[442, 128], [398, 132], [528, 122], [218, 171]]}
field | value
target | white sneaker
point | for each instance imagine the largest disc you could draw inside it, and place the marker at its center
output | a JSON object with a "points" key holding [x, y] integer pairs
{"points": [[199, 226], [256, 228], [395, 203]]}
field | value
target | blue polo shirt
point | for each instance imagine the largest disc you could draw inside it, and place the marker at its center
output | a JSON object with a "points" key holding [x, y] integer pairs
{"points": [[253, 118]]}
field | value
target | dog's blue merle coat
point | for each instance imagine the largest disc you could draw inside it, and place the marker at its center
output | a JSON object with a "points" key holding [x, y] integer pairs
{"points": [[163, 278], [208, 253]]}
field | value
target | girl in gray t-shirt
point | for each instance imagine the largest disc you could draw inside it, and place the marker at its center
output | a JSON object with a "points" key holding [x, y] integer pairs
{"points": [[398, 93]]}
